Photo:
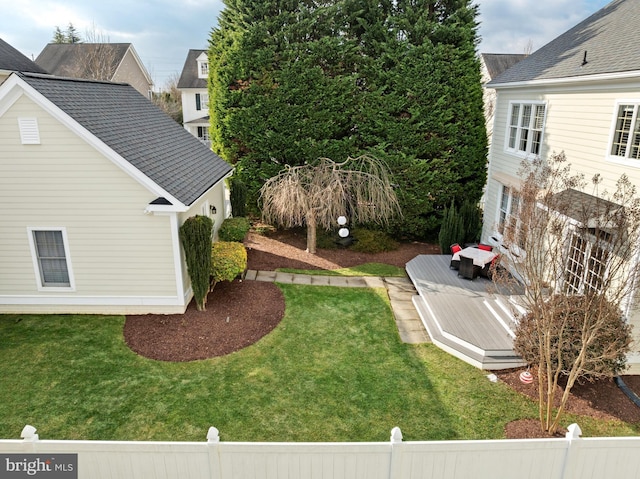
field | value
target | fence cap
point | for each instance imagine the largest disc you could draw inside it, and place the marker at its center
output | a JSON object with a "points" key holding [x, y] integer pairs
{"points": [[396, 435], [29, 433], [573, 431], [213, 435]]}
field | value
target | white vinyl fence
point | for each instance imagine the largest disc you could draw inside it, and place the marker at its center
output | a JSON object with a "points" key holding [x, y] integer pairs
{"points": [[564, 458]]}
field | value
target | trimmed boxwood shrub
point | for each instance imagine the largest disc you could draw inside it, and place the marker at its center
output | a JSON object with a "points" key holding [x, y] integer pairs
{"points": [[234, 229], [228, 260], [372, 241]]}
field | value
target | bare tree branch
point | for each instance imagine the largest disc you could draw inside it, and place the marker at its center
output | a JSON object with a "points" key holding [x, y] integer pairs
{"points": [[317, 194]]}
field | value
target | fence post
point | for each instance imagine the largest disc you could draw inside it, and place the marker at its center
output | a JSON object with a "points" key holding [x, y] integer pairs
{"points": [[395, 465], [213, 441], [573, 439]]}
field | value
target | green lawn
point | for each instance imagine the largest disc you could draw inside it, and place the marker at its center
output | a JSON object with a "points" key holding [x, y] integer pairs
{"points": [[367, 269], [333, 370]]}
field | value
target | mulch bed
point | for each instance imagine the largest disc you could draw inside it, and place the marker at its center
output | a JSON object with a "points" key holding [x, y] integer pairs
{"points": [[239, 313]]}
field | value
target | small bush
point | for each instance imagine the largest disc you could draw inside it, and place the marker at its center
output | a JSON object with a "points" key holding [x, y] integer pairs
{"points": [[372, 241], [238, 197], [570, 317], [326, 239], [234, 229], [452, 229], [228, 260]]}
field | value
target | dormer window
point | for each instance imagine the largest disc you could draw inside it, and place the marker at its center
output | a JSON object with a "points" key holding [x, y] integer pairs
{"points": [[203, 68], [203, 65]]}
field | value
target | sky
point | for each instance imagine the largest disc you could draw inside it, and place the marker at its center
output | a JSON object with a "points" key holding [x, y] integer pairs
{"points": [[163, 31]]}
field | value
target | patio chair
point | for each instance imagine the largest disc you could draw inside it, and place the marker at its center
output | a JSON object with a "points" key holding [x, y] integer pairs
{"points": [[490, 268], [467, 269], [455, 247]]}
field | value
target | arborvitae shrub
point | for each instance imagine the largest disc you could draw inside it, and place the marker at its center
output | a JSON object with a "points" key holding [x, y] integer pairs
{"points": [[195, 235], [471, 216], [238, 197], [234, 229], [452, 229]]}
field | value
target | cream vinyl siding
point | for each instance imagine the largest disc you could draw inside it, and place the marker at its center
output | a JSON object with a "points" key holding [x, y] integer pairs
{"points": [[579, 121], [116, 250]]}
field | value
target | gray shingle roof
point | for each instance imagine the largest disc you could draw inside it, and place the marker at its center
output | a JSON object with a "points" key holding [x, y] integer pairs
{"points": [[12, 60], [70, 59], [610, 38], [138, 131], [497, 63], [189, 76]]}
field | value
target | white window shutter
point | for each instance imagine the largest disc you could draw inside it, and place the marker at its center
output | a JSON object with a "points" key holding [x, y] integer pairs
{"points": [[29, 133]]}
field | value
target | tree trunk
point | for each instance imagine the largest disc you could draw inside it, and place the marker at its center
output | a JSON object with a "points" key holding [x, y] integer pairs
{"points": [[311, 233]]}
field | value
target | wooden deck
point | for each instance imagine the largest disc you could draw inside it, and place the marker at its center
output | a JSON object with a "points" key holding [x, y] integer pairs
{"points": [[470, 319]]}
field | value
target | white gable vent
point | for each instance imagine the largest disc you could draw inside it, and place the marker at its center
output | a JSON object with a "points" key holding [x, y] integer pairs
{"points": [[29, 133]]}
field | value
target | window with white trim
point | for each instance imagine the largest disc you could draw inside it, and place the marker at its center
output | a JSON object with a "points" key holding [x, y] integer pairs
{"points": [[203, 133], [586, 264], [525, 128], [202, 101], [625, 142], [203, 69], [51, 257]]}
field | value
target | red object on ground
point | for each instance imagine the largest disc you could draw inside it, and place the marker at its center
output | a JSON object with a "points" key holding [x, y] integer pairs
{"points": [[526, 377]]}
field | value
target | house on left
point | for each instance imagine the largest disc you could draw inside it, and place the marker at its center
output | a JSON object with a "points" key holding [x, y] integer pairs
{"points": [[95, 182], [12, 60]]}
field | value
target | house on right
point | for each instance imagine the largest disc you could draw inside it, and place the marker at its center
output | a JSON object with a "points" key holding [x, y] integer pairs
{"points": [[579, 94]]}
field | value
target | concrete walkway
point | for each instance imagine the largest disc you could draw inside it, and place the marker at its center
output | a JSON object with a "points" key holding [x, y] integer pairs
{"points": [[400, 291]]}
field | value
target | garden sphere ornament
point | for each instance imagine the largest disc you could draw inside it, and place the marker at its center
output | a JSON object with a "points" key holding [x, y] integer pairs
{"points": [[343, 232], [526, 377]]}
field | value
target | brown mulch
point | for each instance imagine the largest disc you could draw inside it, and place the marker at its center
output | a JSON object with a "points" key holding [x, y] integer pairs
{"points": [[239, 313], [602, 399]]}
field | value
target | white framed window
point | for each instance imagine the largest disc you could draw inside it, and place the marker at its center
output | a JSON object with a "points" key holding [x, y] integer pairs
{"points": [[525, 128], [586, 264], [510, 231], [625, 137], [51, 260], [202, 101], [203, 133], [203, 69]]}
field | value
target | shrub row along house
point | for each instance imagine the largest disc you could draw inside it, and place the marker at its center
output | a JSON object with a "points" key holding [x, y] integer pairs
{"points": [[95, 182], [579, 94]]}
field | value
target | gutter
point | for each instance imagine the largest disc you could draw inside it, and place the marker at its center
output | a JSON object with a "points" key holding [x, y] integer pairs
{"points": [[628, 392]]}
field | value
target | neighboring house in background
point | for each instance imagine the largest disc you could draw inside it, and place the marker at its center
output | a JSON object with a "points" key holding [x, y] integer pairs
{"points": [[96, 182], [116, 62], [195, 95], [11, 60], [493, 65], [579, 94]]}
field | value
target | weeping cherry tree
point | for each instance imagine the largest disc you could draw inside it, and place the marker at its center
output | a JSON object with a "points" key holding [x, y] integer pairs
{"points": [[316, 194]]}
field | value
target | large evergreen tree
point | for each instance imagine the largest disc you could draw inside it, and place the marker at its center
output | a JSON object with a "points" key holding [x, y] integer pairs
{"points": [[292, 81]]}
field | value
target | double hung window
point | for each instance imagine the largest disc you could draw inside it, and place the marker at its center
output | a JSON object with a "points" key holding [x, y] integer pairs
{"points": [[625, 142], [508, 224], [51, 258], [202, 101], [525, 128]]}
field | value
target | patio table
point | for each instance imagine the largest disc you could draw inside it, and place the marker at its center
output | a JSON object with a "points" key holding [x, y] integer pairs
{"points": [[480, 257]]}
